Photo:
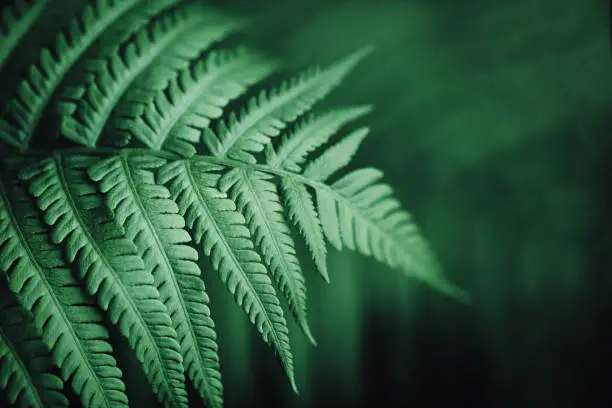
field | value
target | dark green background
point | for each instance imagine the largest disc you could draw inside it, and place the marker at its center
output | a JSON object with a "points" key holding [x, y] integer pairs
{"points": [[493, 121]]}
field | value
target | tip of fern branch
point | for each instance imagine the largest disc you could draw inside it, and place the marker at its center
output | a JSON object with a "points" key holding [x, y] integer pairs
{"points": [[306, 330], [294, 385], [452, 291], [363, 52], [349, 62], [325, 277]]}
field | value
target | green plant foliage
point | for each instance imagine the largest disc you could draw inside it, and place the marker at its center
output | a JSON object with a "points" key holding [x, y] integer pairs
{"points": [[27, 371], [93, 235]]}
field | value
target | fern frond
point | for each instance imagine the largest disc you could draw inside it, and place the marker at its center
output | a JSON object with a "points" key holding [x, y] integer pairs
{"points": [[302, 212], [15, 21], [175, 117], [26, 371], [86, 108], [20, 118], [291, 154], [70, 324], [109, 265], [361, 213], [225, 237], [268, 113], [152, 221], [309, 135], [257, 198]]}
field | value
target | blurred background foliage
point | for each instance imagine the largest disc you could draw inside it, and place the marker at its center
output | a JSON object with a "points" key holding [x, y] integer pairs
{"points": [[493, 122]]}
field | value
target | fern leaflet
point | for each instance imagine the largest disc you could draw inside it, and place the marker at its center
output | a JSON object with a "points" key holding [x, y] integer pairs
{"points": [[110, 267], [15, 21], [176, 116], [371, 222], [335, 157], [257, 198], [224, 236], [152, 221], [70, 324], [310, 135], [362, 214], [302, 212], [267, 114], [19, 120], [25, 368], [87, 108]]}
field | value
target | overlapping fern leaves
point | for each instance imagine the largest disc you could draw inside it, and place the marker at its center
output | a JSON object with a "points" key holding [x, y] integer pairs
{"points": [[117, 233]]}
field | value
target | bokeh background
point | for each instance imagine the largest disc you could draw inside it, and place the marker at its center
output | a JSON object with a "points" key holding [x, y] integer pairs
{"points": [[493, 121]]}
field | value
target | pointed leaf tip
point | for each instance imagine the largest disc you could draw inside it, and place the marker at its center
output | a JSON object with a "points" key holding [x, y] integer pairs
{"points": [[307, 332], [357, 56], [294, 385]]}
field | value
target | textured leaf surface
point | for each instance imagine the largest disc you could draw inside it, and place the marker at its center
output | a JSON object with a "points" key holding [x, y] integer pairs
{"points": [[310, 134], [26, 370], [15, 21], [225, 238], [108, 263], [176, 34], [257, 198], [268, 113], [175, 116], [302, 212], [361, 213], [20, 118], [70, 324], [336, 157], [152, 221]]}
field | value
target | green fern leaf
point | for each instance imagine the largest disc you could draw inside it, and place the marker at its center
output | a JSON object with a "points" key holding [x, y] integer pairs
{"points": [[177, 34], [309, 135], [257, 198], [15, 22], [19, 120], [290, 155], [365, 217], [224, 236], [302, 212], [110, 267], [269, 113], [175, 117], [361, 213], [335, 157], [70, 324], [26, 371], [153, 223]]}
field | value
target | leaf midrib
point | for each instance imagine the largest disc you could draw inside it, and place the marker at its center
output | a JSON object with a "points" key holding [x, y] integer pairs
{"points": [[63, 64], [119, 283], [315, 229], [133, 71], [298, 177], [188, 98], [25, 20], [161, 250], [187, 166], [51, 293], [261, 113], [272, 235], [24, 370]]}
